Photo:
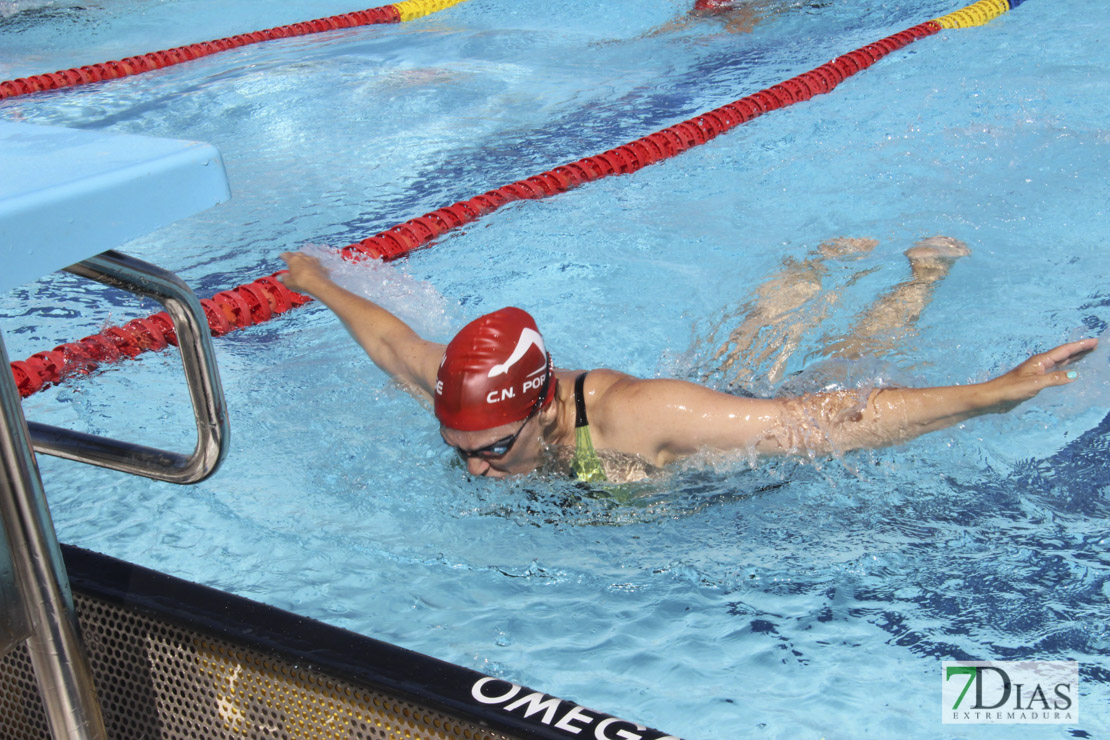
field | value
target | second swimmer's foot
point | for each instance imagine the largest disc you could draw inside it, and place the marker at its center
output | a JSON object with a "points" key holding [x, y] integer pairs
{"points": [[845, 246], [932, 257]]}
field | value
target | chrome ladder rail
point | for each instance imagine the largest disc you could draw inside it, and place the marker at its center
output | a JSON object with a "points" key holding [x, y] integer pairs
{"points": [[41, 611], [127, 273]]}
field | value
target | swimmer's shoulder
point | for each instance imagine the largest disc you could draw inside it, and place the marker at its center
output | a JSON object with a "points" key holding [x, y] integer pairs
{"points": [[599, 381], [602, 386], [609, 412]]}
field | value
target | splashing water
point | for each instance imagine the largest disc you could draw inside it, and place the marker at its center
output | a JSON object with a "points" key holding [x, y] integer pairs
{"points": [[417, 302]]}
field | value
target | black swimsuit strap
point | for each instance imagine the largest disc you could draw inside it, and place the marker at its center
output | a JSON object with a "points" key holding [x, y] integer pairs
{"points": [[580, 401]]}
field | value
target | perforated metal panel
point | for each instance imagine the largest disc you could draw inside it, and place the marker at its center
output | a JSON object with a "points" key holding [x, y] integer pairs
{"points": [[158, 680], [21, 713], [13, 617]]}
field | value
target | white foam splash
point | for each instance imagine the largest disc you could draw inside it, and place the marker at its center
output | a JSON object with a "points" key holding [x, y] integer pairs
{"points": [[8, 8], [414, 301]]}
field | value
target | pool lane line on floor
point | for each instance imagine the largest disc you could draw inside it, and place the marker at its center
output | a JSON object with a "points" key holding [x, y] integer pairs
{"points": [[260, 300], [128, 66]]}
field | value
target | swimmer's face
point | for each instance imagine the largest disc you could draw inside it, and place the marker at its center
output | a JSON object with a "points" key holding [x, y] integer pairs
{"points": [[510, 449]]}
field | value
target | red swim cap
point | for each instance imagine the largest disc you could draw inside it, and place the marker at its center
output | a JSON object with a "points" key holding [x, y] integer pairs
{"points": [[495, 371], [714, 6]]}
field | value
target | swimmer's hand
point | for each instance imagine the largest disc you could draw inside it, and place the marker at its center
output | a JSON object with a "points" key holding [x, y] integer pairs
{"points": [[306, 274], [1037, 373]]}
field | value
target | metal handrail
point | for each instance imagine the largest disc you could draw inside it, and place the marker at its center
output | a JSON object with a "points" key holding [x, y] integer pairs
{"points": [[46, 605], [54, 642], [198, 358]]}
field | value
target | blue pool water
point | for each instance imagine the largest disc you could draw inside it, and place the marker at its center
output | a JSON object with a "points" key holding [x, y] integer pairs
{"points": [[782, 599]]}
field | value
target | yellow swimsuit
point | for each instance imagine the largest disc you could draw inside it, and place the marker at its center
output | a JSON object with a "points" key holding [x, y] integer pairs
{"points": [[585, 464]]}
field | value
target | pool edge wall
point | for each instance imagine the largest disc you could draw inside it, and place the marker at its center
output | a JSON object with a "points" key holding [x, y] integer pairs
{"points": [[173, 659]]}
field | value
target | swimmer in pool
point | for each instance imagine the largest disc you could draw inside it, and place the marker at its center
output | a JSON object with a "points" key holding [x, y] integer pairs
{"points": [[504, 407], [735, 16]]}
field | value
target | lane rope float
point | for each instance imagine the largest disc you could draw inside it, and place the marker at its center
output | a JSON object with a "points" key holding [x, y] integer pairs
{"points": [[266, 297], [396, 13], [977, 14]]}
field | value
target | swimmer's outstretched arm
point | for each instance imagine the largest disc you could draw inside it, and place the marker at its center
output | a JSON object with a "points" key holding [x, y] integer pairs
{"points": [[668, 419], [390, 342], [897, 415]]}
